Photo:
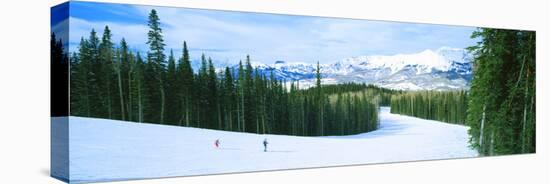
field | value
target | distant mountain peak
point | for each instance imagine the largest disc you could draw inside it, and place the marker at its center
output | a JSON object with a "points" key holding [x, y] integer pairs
{"points": [[444, 68]]}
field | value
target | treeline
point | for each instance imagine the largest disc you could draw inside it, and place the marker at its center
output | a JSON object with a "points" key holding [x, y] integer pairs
{"points": [[110, 81], [446, 106], [502, 106], [384, 95], [349, 108]]}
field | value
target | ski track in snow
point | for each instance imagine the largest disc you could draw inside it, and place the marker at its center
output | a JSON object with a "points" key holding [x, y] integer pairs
{"points": [[110, 150]]}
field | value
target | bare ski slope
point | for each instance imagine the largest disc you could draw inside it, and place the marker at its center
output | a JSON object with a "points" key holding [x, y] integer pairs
{"points": [[109, 150]]}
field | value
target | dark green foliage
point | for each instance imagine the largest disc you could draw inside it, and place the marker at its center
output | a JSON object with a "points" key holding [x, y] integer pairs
{"points": [[137, 89], [383, 93], [248, 101], [106, 74], [155, 40], [320, 100], [185, 92], [59, 62], [80, 96], [213, 115], [229, 99], [202, 94], [87, 97], [172, 86], [156, 69], [501, 109], [446, 106]]}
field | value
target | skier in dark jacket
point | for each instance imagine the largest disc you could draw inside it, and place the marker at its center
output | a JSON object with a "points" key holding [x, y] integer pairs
{"points": [[217, 143], [265, 145]]}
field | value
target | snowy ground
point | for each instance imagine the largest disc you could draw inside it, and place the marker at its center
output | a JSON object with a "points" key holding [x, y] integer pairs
{"points": [[109, 150]]}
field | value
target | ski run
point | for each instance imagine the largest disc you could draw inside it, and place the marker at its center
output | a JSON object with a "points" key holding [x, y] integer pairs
{"points": [[111, 150]]}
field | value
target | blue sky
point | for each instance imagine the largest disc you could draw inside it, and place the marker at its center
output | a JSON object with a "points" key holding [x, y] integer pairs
{"points": [[229, 36]]}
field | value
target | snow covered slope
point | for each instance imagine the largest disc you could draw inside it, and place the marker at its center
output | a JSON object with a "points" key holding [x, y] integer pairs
{"points": [[109, 150]]}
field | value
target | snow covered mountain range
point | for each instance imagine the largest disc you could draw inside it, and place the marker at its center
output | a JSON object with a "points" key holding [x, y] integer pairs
{"points": [[442, 69]]}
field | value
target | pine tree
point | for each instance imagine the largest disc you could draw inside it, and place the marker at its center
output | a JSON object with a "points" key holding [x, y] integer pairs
{"points": [[320, 98], [212, 97], [249, 111], [106, 74], [157, 59], [80, 81], [117, 66], [140, 87], [229, 97], [202, 82], [97, 98], [126, 73], [121, 68], [186, 92], [171, 91], [240, 86]]}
